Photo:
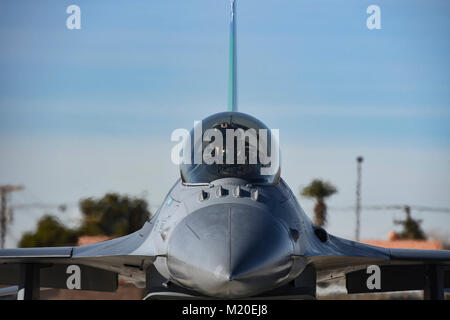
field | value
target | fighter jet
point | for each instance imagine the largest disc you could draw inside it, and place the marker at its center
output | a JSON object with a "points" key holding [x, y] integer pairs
{"points": [[229, 228]]}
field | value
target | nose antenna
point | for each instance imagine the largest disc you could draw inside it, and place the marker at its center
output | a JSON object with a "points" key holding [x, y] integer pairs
{"points": [[232, 80]]}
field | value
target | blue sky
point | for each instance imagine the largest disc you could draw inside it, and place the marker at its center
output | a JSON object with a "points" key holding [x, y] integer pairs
{"points": [[83, 112]]}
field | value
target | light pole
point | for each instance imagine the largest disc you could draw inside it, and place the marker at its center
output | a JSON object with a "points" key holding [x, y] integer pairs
{"points": [[359, 160], [4, 191]]}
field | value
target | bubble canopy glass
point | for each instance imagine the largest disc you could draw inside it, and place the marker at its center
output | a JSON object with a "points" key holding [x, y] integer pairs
{"points": [[247, 150]]}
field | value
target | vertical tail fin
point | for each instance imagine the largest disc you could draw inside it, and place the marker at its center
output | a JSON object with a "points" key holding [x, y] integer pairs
{"points": [[232, 81]]}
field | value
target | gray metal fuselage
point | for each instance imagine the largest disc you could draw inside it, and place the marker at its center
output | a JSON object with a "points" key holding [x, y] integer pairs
{"points": [[230, 239]]}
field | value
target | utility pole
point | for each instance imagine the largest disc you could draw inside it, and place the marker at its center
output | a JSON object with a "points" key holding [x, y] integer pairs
{"points": [[359, 160], [4, 191]]}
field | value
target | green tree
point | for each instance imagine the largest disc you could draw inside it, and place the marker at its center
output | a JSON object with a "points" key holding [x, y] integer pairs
{"points": [[411, 227], [50, 232], [319, 190], [113, 215]]}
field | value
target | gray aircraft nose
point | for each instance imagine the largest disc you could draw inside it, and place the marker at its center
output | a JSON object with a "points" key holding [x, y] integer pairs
{"points": [[230, 251]]}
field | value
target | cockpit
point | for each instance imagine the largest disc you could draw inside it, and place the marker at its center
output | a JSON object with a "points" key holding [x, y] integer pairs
{"points": [[231, 145]]}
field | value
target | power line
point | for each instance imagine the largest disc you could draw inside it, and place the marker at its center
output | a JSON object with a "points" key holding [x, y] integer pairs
{"points": [[43, 206], [6, 213], [405, 208], [394, 207]]}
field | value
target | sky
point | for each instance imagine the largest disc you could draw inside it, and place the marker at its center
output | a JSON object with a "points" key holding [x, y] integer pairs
{"points": [[89, 111]]}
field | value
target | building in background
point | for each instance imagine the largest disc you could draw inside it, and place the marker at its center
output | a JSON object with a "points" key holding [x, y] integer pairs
{"points": [[394, 242]]}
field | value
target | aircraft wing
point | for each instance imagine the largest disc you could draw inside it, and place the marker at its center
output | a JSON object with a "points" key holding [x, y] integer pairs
{"points": [[124, 250], [101, 263], [337, 256], [400, 269]]}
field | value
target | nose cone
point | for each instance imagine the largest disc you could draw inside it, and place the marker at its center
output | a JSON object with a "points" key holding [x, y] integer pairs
{"points": [[230, 251]]}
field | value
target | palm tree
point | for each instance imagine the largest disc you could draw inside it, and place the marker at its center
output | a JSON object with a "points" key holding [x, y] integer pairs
{"points": [[319, 190]]}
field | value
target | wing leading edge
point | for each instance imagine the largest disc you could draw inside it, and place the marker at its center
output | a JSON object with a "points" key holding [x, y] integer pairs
{"points": [[127, 256], [340, 255], [398, 269]]}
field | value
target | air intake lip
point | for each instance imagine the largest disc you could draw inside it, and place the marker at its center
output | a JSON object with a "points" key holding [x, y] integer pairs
{"points": [[321, 233]]}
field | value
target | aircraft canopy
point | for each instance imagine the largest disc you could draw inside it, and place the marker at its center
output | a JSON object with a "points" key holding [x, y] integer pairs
{"points": [[231, 145]]}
